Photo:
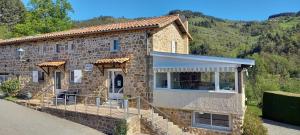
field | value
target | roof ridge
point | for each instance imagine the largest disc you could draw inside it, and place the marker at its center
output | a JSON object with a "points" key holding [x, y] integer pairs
{"points": [[131, 24]]}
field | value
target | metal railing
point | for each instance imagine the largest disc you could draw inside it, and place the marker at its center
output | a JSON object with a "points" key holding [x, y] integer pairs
{"points": [[165, 118], [91, 104]]}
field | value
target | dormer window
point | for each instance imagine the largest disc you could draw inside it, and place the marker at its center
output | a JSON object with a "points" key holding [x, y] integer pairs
{"points": [[115, 46]]}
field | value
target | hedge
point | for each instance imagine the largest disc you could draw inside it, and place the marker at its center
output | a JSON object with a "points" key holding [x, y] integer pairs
{"points": [[282, 106]]}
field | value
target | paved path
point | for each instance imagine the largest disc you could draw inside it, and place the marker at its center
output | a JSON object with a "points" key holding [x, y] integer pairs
{"points": [[19, 120], [277, 128]]}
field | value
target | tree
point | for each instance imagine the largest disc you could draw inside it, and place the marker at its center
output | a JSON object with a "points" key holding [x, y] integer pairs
{"points": [[45, 16], [11, 12]]}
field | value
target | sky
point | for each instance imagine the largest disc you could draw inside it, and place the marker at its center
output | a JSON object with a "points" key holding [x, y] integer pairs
{"points": [[247, 10]]}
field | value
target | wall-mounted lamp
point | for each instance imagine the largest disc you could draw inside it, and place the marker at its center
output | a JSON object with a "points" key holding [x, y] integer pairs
{"points": [[21, 54]]}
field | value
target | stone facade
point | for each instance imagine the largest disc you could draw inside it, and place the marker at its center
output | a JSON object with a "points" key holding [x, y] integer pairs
{"points": [[162, 40], [77, 52]]}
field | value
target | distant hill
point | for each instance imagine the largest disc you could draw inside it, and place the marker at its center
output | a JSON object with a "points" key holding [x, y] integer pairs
{"points": [[273, 43]]}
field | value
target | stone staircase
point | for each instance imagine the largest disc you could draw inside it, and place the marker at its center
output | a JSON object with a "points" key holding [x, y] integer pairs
{"points": [[160, 125]]}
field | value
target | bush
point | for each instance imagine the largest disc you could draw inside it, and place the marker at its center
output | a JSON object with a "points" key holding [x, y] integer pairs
{"points": [[252, 123], [121, 128], [10, 87], [282, 106]]}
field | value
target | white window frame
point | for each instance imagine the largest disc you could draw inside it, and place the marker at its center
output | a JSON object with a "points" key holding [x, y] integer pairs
{"points": [[193, 122], [113, 44], [217, 83], [168, 80]]}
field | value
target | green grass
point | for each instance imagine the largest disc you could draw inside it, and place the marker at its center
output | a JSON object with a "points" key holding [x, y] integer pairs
{"points": [[10, 98], [254, 110]]}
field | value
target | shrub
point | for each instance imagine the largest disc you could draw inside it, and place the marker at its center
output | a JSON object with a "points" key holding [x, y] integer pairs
{"points": [[11, 87], [282, 106], [252, 123], [121, 128]]}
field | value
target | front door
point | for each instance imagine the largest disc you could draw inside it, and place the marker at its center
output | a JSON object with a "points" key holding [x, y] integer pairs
{"points": [[116, 84], [57, 82]]}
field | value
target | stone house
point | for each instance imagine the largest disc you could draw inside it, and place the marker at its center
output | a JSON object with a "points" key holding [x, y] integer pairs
{"points": [[148, 58]]}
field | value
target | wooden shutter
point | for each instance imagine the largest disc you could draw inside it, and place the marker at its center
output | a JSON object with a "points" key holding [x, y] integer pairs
{"points": [[35, 76], [77, 76]]}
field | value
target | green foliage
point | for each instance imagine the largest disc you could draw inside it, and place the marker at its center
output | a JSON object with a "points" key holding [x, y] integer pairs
{"points": [[121, 128], [11, 12], [10, 87], [282, 106], [99, 21], [4, 32], [252, 122], [45, 16]]}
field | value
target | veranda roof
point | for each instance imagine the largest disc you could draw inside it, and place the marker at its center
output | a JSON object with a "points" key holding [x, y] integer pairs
{"points": [[171, 62]]}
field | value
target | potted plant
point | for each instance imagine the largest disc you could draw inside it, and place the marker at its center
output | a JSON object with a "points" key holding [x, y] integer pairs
{"points": [[125, 98]]}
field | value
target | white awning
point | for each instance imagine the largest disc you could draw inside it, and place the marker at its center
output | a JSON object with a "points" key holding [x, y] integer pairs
{"points": [[170, 62]]}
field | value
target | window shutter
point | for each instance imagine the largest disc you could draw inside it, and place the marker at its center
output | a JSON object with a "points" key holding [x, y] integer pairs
{"points": [[35, 76], [173, 47], [77, 76]]}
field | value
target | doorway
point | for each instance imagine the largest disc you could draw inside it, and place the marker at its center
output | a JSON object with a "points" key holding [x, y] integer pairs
{"points": [[57, 82], [116, 83]]}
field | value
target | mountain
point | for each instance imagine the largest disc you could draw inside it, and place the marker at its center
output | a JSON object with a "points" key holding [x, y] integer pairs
{"points": [[273, 43]]}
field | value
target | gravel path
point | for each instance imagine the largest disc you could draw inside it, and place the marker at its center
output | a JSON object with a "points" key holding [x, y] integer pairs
{"points": [[19, 120], [277, 128]]}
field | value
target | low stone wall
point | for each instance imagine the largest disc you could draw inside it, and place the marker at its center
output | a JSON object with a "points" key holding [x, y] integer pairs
{"points": [[104, 124]]}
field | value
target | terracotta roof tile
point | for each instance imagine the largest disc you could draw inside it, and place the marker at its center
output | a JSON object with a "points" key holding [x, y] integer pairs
{"points": [[111, 60], [137, 24], [51, 64]]}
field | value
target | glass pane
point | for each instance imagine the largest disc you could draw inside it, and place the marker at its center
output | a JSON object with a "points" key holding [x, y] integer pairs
{"points": [[193, 80], [220, 120], [161, 80], [202, 118], [58, 80], [227, 81]]}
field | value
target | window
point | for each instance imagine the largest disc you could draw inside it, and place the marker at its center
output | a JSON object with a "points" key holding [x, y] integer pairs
{"points": [[41, 76], [75, 76], [161, 80], [208, 120], [174, 47], [57, 48], [38, 76], [115, 46], [193, 80], [227, 80]]}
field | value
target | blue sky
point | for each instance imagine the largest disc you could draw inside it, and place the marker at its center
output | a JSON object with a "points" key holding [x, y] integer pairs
{"points": [[226, 9]]}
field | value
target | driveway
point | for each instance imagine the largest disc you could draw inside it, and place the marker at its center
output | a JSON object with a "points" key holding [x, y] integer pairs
{"points": [[19, 120], [277, 128]]}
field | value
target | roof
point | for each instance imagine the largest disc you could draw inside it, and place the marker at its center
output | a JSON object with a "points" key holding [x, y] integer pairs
{"points": [[224, 60], [112, 60], [51, 64], [156, 22]]}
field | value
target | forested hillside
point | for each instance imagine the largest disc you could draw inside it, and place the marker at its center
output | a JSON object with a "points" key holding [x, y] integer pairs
{"points": [[273, 43]]}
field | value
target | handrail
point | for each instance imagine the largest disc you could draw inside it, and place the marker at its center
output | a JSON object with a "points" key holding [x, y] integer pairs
{"points": [[165, 115]]}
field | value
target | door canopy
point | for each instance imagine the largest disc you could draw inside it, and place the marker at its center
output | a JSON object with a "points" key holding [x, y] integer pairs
{"points": [[57, 64], [110, 63]]}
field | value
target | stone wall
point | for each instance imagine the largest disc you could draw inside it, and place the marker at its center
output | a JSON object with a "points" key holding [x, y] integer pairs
{"points": [[104, 124], [162, 40], [183, 118], [79, 51]]}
